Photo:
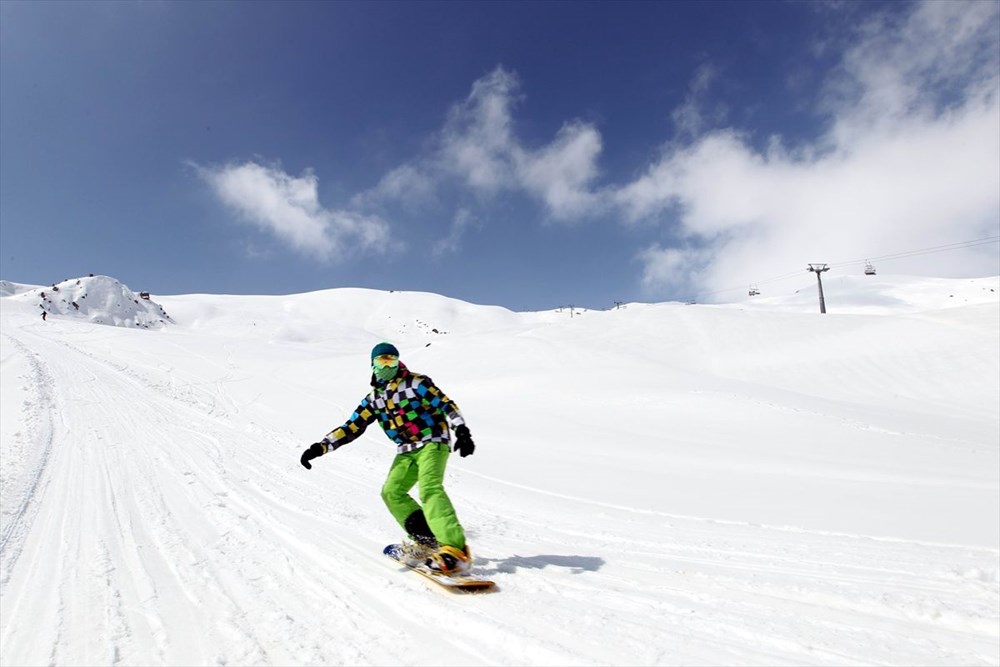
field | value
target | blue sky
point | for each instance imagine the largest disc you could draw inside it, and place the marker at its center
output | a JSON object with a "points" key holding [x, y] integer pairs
{"points": [[524, 154]]}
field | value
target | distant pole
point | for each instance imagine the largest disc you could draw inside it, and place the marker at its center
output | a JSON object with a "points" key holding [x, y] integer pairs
{"points": [[818, 269]]}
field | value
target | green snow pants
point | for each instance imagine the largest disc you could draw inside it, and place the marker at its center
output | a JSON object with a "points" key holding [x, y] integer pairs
{"points": [[426, 468]]}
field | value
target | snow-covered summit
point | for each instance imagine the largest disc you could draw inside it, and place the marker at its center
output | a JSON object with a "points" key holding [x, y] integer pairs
{"points": [[97, 299], [7, 288]]}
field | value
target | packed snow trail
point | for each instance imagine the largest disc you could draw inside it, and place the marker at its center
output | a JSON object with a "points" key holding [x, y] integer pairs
{"points": [[154, 512], [21, 482], [162, 534]]}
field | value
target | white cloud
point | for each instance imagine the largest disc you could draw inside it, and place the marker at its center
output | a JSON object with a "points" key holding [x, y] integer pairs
{"points": [[288, 207], [477, 149], [561, 174], [461, 222], [689, 118], [911, 64], [910, 161], [670, 265], [477, 141], [405, 183]]}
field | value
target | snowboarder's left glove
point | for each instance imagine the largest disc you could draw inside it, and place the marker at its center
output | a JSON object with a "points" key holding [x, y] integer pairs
{"points": [[463, 441], [316, 450]]}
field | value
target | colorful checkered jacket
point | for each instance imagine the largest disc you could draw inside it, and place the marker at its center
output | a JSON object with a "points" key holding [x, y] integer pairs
{"points": [[410, 409]]}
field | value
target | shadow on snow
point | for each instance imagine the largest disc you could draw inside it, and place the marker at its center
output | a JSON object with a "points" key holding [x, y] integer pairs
{"points": [[577, 564]]}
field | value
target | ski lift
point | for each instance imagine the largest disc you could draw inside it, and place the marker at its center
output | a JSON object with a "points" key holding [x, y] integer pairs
{"points": [[753, 290], [869, 268]]}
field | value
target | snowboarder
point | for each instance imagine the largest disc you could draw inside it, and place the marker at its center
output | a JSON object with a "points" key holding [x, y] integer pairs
{"points": [[414, 414]]}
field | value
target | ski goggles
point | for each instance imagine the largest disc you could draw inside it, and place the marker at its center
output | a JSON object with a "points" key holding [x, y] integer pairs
{"points": [[385, 361]]}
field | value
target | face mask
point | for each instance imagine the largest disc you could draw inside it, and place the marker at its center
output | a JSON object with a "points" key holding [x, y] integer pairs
{"points": [[384, 373]]}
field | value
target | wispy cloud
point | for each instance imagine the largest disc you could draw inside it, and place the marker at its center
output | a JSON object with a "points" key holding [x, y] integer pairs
{"points": [[477, 142], [562, 173], [407, 183], [461, 222], [478, 150], [909, 160], [288, 207], [690, 117]]}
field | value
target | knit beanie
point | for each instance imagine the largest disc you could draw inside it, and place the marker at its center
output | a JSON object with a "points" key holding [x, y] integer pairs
{"points": [[384, 348]]}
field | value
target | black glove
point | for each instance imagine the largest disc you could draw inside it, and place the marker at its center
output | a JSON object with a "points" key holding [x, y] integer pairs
{"points": [[316, 450], [463, 441]]}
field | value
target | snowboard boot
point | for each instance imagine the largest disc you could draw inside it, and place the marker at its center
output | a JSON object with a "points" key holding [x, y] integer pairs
{"points": [[418, 530], [424, 543], [450, 561]]}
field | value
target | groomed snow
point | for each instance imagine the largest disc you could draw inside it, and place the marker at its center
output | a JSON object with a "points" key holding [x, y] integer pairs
{"points": [[662, 484]]}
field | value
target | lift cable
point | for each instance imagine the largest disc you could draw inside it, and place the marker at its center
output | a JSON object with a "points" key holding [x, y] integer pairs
{"points": [[884, 258]]}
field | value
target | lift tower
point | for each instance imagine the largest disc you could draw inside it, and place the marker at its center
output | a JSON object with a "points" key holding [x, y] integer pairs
{"points": [[818, 269]]}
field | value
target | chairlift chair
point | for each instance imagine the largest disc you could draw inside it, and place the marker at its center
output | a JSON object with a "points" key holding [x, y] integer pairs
{"points": [[869, 268]]}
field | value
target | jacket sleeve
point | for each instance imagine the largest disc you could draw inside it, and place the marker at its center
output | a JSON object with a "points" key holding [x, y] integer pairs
{"points": [[363, 415], [434, 398]]}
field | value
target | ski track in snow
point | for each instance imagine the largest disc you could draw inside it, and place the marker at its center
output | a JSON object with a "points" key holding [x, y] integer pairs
{"points": [[35, 445], [158, 522], [184, 560]]}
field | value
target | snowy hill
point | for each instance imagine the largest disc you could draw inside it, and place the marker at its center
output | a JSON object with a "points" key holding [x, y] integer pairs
{"points": [[8, 288], [883, 295], [97, 299], [659, 484]]}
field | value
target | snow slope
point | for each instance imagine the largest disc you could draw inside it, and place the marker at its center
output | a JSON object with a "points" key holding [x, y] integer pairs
{"points": [[97, 299], [656, 485]]}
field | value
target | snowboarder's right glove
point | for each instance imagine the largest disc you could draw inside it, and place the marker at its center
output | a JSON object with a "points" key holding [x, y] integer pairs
{"points": [[316, 450], [463, 441]]}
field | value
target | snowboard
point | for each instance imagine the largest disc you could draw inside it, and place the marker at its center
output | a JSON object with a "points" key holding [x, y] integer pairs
{"points": [[466, 583]]}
